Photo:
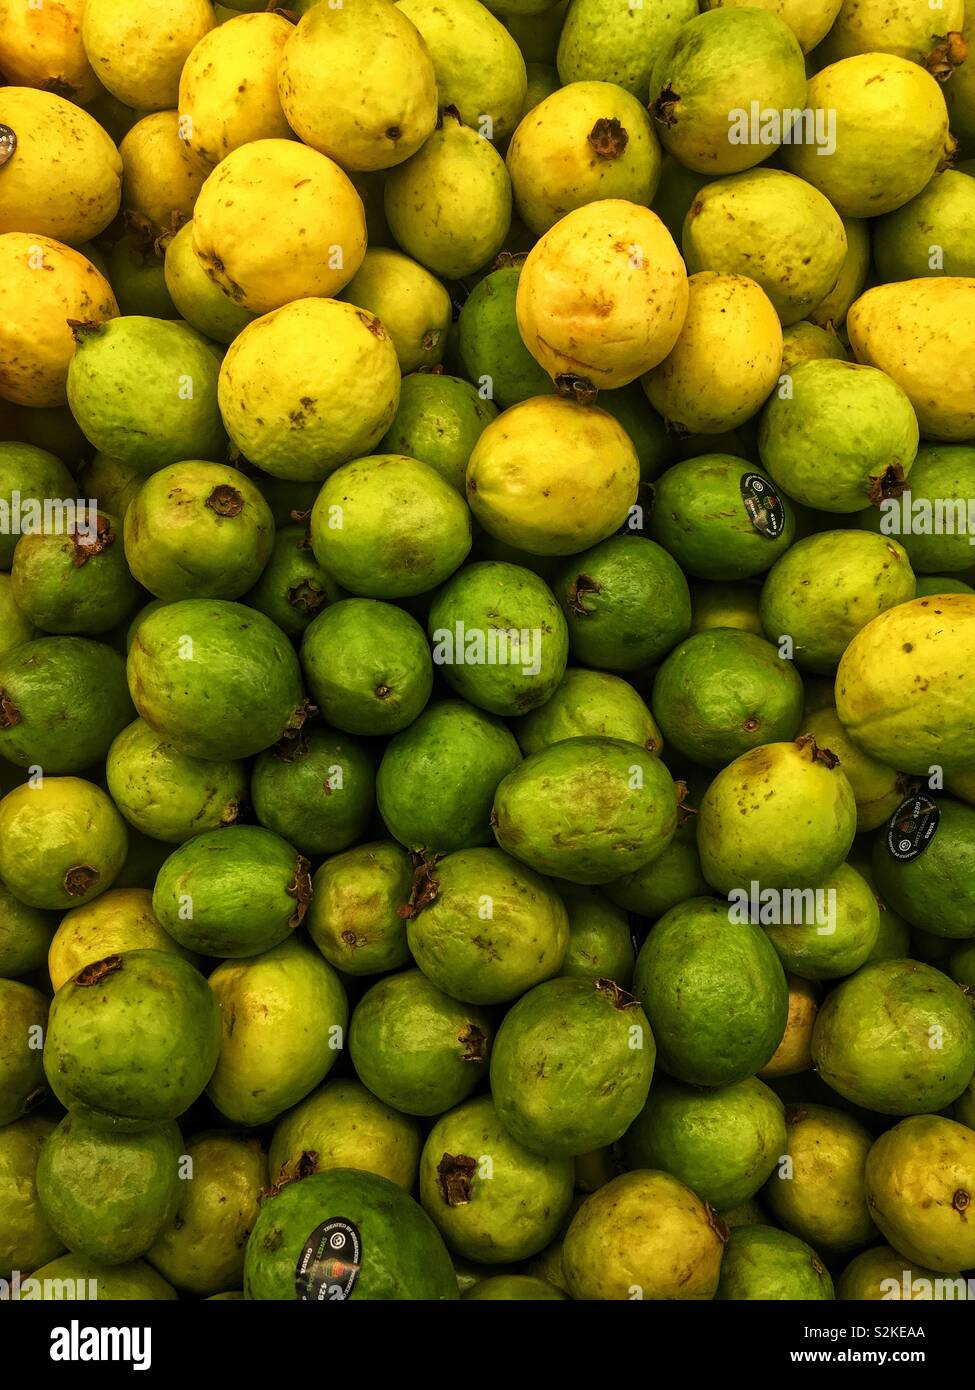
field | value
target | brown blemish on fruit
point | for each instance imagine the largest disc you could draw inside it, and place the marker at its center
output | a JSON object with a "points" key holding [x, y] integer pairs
{"points": [[9, 713], [474, 1042], [94, 973], [949, 52], [608, 138], [8, 144], [962, 1200], [817, 754], [454, 1174], [225, 501], [78, 880], [300, 889], [617, 995], [890, 483], [576, 388], [302, 1167], [579, 588], [716, 1224], [663, 110], [425, 887]]}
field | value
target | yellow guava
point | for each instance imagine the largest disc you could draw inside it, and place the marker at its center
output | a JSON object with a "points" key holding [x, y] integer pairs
{"points": [[160, 178], [40, 46], [138, 51]]}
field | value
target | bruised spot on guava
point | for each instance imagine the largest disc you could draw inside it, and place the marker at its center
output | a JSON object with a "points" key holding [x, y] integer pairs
{"points": [[78, 880], [9, 713], [373, 324], [225, 501], [716, 1224], [962, 1200], [579, 588], [663, 109], [474, 1042], [300, 888], [292, 1171], [425, 887], [97, 971], [818, 755], [86, 543], [454, 1174], [891, 483], [616, 995], [8, 144]]}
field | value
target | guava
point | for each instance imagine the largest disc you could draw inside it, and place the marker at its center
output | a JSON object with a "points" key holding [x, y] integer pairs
{"points": [[32, 473], [881, 1274], [600, 945], [28, 1238], [397, 1249], [809, 20], [15, 626], [571, 1066], [316, 789], [725, 605], [940, 472], [293, 588], [356, 917], [928, 235], [368, 666], [25, 935], [61, 842], [831, 311], [145, 391], [201, 1247], [553, 476], [920, 1179], [873, 1034], [806, 342], [761, 1263], [458, 754], [62, 702], [411, 304], [283, 1016], [490, 346], [216, 679], [656, 446], [439, 420], [935, 889], [43, 49], [200, 301], [518, 1288], [665, 1242], [834, 935], [416, 1048], [775, 228], [817, 1190], [139, 55], [782, 816], [161, 178], [108, 1193], [877, 788], [138, 278], [724, 692], [961, 964], [626, 602], [794, 1053], [589, 703], [65, 1278], [870, 26], [134, 1035], [671, 878], [24, 1015], [120, 920], [608, 42], [930, 586], [588, 809], [75, 579], [960, 92], [344, 1126], [714, 992], [110, 483], [721, 518], [722, 1142], [483, 928]]}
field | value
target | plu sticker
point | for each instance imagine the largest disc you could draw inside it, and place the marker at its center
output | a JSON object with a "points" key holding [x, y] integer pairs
{"points": [[763, 505], [911, 828], [329, 1263]]}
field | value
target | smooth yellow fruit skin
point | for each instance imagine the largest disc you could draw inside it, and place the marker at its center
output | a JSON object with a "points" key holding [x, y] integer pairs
{"points": [[809, 20], [64, 179], [905, 687], [921, 333], [43, 285], [891, 134], [851, 279], [120, 920], [725, 361], [413, 305], [908, 28], [275, 222], [161, 181], [920, 1186], [40, 46], [228, 89], [198, 299], [138, 49], [552, 477], [357, 83], [563, 155], [603, 294], [308, 387]]}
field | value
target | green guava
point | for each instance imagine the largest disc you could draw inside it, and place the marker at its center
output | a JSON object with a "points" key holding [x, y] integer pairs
{"points": [[518, 1288], [961, 964], [144, 391], [74, 580], [412, 304], [805, 342], [166, 794], [930, 586], [714, 992], [499, 637], [134, 1035], [342, 1125], [491, 350], [368, 666], [439, 420], [283, 1017], [609, 42], [401, 1257], [137, 274], [817, 1191], [201, 1248], [217, 679], [61, 842], [458, 754], [415, 1048], [109, 1192], [24, 1019], [656, 446], [931, 234], [626, 602], [722, 1142], [588, 809], [73, 1276], [936, 890], [745, 1214], [763, 1264], [589, 703], [25, 935], [483, 928], [882, 1274], [897, 1037], [920, 1180], [831, 936], [27, 1238], [725, 605], [27, 472], [671, 878], [285, 496], [15, 626], [720, 518], [877, 789], [120, 920], [62, 702], [317, 789], [600, 945], [644, 1236], [356, 917], [110, 483], [200, 300], [293, 589], [926, 519], [571, 1066]]}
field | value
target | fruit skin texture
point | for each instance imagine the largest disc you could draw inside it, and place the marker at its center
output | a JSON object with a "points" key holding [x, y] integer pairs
{"points": [[353, 918], [940, 471], [809, 20], [184, 652], [28, 1238], [166, 794], [603, 294], [25, 935], [871, 1040], [60, 842], [64, 179], [24, 1011], [726, 359], [345, 1126], [439, 420], [585, 142], [919, 332], [293, 588], [41, 47], [138, 55], [876, 27], [507, 1213], [940, 216], [822, 1198], [36, 344], [358, 84], [644, 1234], [412, 305], [120, 920], [609, 43], [904, 687], [134, 1035], [936, 891], [135, 1281], [920, 1180], [553, 477], [714, 992], [793, 1054], [827, 950], [600, 946], [571, 1066], [285, 191], [405, 1257], [891, 133], [196, 297], [282, 1017], [308, 387], [878, 789], [519, 1288], [805, 342], [160, 178], [74, 580], [588, 810], [34, 473], [316, 789], [489, 344], [762, 1263], [875, 1274], [589, 703]]}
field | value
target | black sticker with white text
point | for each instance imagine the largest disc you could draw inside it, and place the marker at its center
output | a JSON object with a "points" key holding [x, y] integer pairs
{"points": [[329, 1263], [911, 828], [763, 505]]}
